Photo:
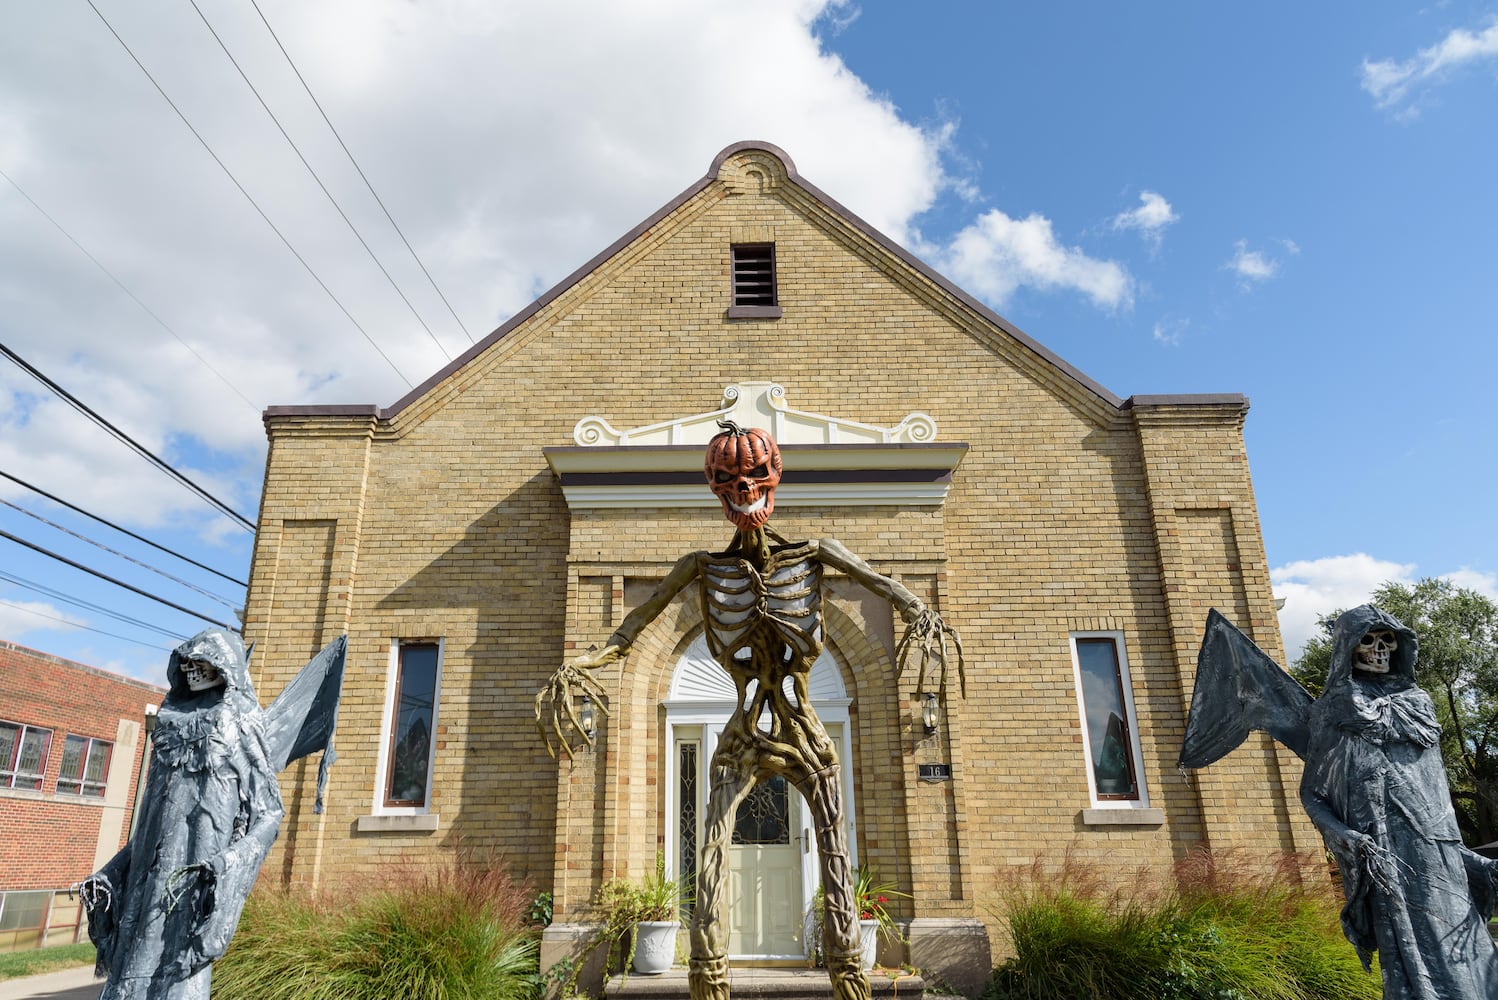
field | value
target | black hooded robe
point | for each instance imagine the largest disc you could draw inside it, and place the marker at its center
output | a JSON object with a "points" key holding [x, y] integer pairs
{"points": [[1414, 893], [211, 798]]}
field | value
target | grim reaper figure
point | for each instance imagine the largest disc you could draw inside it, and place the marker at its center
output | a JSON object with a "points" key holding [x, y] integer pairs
{"points": [[761, 603], [1375, 787], [163, 908]]}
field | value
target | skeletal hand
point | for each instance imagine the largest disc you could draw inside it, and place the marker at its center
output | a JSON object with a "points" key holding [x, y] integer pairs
{"points": [[554, 706], [95, 893], [926, 633]]}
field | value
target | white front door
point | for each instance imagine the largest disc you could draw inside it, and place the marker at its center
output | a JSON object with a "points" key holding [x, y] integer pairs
{"points": [[765, 892]]}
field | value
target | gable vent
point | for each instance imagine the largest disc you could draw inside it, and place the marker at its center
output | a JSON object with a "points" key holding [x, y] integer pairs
{"points": [[754, 274]]}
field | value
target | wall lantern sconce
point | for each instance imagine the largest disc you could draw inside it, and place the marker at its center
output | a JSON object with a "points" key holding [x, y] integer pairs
{"points": [[587, 718], [930, 713]]}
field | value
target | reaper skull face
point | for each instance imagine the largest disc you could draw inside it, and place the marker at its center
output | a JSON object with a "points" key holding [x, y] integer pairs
{"points": [[1373, 651], [201, 675], [743, 468]]}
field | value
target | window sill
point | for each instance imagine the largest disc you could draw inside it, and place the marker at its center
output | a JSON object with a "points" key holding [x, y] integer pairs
{"points": [[419, 823], [753, 312], [1123, 817]]}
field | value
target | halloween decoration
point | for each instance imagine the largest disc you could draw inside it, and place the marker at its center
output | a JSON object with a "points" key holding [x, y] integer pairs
{"points": [[164, 908], [1375, 787], [761, 603]]}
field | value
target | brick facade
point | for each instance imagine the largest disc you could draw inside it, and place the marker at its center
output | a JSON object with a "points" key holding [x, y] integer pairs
{"points": [[1072, 510], [50, 840]]}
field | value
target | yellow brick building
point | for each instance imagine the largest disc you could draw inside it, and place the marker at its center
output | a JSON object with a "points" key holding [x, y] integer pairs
{"points": [[512, 509]]}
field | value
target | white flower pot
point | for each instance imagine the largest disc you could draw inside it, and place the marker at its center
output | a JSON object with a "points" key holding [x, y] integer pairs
{"points": [[869, 931], [655, 946]]}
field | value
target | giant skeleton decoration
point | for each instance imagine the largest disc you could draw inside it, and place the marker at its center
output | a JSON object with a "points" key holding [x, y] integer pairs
{"points": [[164, 908], [1375, 787], [761, 603]]}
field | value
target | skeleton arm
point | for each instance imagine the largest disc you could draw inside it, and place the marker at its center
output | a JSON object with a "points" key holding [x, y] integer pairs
{"points": [[554, 708], [924, 629]]}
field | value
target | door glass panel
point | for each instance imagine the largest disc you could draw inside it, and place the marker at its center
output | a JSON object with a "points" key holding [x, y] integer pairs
{"points": [[764, 817], [687, 831]]}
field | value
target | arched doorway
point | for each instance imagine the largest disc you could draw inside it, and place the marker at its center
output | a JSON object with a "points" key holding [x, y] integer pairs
{"points": [[772, 863]]}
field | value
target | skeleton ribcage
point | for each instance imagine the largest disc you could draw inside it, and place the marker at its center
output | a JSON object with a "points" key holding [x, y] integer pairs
{"points": [[785, 598]]}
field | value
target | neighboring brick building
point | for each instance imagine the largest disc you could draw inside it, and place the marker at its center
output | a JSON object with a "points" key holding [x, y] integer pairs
{"points": [[493, 521], [71, 750]]}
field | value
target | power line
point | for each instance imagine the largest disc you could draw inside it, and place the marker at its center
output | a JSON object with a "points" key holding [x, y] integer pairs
{"points": [[114, 552], [331, 200], [86, 628], [58, 595], [118, 583], [140, 449], [127, 291], [253, 203], [461, 325], [124, 531]]}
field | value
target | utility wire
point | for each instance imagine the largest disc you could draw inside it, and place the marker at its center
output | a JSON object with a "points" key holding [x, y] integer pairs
{"points": [[127, 291], [114, 552], [116, 527], [331, 200], [118, 583], [253, 203], [58, 595], [87, 628], [461, 325], [140, 449]]}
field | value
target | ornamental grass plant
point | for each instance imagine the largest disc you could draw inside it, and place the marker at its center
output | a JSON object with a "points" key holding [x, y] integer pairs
{"points": [[1224, 927], [458, 931]]}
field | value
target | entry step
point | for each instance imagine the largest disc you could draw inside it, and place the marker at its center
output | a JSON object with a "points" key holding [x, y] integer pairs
{"points": [[764, 984]]}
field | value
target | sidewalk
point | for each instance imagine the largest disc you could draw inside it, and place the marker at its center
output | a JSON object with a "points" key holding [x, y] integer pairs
{"points": [[69, 984]]}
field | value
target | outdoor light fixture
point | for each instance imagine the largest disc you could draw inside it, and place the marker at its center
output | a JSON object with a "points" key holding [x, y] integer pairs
{"points": [[930, 712], [587, 719]]}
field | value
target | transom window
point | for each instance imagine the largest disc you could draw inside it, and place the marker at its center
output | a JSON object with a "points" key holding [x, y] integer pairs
{"points": [[85, 766], [1108, 718], [412, 725], [23, 755]]}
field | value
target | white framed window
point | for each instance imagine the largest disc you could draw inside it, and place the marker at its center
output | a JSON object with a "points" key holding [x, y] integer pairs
{"points": [[23, 755], [408, 741], [85, 766], [1110, 731]]}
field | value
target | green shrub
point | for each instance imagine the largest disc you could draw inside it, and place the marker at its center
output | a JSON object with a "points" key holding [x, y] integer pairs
{"points": [[1223, 928], [455, 932]]}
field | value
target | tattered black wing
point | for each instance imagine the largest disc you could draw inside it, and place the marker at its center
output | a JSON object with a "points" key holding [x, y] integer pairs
{"points": [[1239, 689], [301, 719]]}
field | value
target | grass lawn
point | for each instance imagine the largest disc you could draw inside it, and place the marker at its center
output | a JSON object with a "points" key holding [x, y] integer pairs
{"points": [[35, 961]]}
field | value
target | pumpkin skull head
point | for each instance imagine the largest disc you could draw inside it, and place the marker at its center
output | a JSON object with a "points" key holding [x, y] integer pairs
{"points": [[743, 468]]}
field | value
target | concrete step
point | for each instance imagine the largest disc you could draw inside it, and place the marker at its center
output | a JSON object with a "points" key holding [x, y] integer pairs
{"points": [[764, 984]]}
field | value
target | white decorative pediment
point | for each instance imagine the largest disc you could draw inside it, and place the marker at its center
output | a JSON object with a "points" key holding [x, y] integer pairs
{"points": [[829, 461], [756, 404]]}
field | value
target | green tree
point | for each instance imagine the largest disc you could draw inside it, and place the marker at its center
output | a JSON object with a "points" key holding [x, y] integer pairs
{"points": [[1458, 667]]}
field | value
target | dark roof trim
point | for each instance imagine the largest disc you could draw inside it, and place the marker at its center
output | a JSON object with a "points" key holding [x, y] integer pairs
{"points": [[597, 261], [1190, 399]]}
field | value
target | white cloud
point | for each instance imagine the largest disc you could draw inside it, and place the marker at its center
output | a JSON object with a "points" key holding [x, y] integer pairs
{"points": [[1170, 331], [1391, 81], [20, 617], [1254, 266], [1150, 218], [997, 254], [507, 159], [1314, 587]]}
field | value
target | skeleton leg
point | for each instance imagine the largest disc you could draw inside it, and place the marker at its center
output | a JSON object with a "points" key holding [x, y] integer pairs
{"points": [[733, 778], [841, 942]]}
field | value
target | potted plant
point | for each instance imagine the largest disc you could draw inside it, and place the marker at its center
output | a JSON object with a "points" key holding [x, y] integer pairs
{"points": [[647, 914], [871, 896]]}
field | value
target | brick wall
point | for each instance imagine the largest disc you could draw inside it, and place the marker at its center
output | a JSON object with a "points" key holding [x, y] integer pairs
{"points": [[47, 840], [1069, 512]]}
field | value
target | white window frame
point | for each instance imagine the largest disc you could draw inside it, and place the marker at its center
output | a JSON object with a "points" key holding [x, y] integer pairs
{"points": [[387, 718], [90, 744], [1120, 648], [11, 767]]}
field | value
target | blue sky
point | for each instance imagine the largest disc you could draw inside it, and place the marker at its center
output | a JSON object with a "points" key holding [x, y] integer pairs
{"points": [[1291, 201]]}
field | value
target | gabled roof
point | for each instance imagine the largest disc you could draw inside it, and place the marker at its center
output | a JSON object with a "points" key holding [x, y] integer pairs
{"points": [[1090, 388]]}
